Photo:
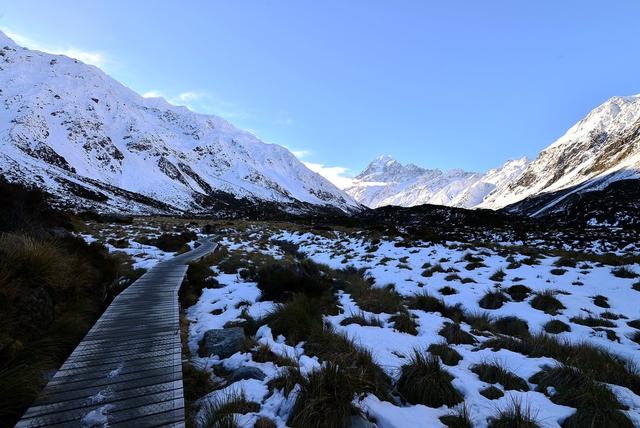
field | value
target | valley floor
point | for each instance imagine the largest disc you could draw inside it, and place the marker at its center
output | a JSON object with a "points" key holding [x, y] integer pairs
{"points": [[434, 334]]}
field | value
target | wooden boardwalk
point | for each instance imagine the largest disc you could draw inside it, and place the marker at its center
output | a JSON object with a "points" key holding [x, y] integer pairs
{"points": [[127, 371]]}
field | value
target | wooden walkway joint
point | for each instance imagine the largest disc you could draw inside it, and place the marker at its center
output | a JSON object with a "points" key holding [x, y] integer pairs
{"points": [[127, 371]]}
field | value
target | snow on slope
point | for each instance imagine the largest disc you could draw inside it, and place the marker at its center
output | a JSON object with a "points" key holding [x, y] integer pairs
{"points": [[387, 182], [65, 121], [601, 148]]}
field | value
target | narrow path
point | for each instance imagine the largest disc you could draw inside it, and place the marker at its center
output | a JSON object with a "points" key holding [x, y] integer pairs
{"points": [[127, 371]]}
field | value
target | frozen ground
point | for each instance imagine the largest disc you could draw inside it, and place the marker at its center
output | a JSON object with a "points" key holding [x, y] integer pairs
{"points": [[454, 272]]}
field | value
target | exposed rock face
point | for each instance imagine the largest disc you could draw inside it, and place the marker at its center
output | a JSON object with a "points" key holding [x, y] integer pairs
{"points": [[602, 148], [62, 121], [385, 181]]}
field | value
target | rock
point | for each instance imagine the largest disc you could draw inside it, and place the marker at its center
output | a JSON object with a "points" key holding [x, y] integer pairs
{"points": [[222, 342], [247, 373]]}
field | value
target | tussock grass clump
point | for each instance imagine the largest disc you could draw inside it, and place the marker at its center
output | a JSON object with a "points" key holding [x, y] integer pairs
{"points": [[634, 324], [338, 349], [474, 265], [264, 422], [447, 291], [447, 354], [199, 277], [491, 393], [458, 419], [325, 398], [471, 258], [591, 321], [546, 302], [498, 275], [512, 326], [565, 262], [595, 361], [493, 300], [493, 373], [624, 272], [405, 323], [428, 303], [456, 335], [369, 298], [263, 354], [518, 292], [596, 404], [171, 242], [556, 327], [296, 319], [424, 381], [515, 415], [279, 280], [557, 271], [362, 319], [601, 301], [479, 321], [221, 410], [635, 337], [287, 379]]}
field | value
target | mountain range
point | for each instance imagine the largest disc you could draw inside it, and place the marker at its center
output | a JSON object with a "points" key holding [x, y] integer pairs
{"points": [[601, 149], [73, 131]]}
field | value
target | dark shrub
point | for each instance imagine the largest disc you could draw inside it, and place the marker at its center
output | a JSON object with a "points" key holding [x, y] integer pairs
{"points": [[518, 292], [590, 321], [556, 327], [512, 326], [547, 302], [404, 322], [493, 373], [424, 381], [455, 335], [447, 354], [515, 415], [624, 272], [296, 319], [493, 300], [491, 393]]}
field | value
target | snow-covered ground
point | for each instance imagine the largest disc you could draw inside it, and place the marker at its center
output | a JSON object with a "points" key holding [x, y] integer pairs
{"points": [[389, 261]]}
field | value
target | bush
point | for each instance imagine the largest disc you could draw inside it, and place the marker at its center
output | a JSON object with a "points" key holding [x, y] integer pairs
{"points": [[171, 243], [458, 419], [624, 272], [556, 327], [362, 319], [498, 276], [493, 300], [296, 319], [515, 415], [595, 361], [491, 393], [493, 373], [369, 298], [286, 380], [601, 301], [455, 335], [565, 262], [447, 354], [424, 381], [547, 302], [404, 322], [518, 292], [512, 326], [448, 291], [325, 399], [220, 411], [279, 280], [429, 303], [596, 404], [590, 321], [342, 351]]}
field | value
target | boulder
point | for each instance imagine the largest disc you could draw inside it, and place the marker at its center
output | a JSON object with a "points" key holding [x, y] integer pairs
{"points": [[246, 373], [223, 342]]}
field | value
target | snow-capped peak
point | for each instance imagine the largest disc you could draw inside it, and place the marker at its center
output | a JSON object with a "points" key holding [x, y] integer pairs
{"points": [[67, 126]]}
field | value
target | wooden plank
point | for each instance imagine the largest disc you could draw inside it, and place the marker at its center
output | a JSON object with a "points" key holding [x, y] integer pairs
{"points": [[129, 364]]}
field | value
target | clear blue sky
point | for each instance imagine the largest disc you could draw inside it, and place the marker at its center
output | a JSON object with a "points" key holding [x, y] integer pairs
{"points": [[444, 84]]}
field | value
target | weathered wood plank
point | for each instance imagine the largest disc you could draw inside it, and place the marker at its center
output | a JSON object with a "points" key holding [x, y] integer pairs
{"points": [[128, 366]]}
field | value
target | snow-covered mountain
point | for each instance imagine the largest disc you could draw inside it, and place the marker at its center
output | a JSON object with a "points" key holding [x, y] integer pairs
{"points": [[70, 129], [602, 148], [385, 181]]}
